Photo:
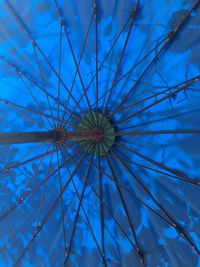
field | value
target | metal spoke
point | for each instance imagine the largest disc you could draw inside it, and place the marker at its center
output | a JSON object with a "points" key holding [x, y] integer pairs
{"points": [[43, 82], [152, 169], [132, 195], [101, 212], [169, 39], [17, 106], [68, 249], [11, 166], [52, 207], [128, 73], [75, 75], [38, 165], [125, 189], [25, 196], [173, 223], [134, 13], [169, 88], [27, 32], [97, 56], [162, 166], [101, 65], [61, 202], [34, 98], [73, 55], [155, 132], [59, 71], [194, 80], [21, 73], [162, 119], [92, 132], [110, 213], [6, 169], [138, 248], [44, 190], [25, 75]]}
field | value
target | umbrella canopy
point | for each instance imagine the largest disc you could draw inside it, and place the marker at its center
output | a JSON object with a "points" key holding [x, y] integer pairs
{"points": [[99, 141]]}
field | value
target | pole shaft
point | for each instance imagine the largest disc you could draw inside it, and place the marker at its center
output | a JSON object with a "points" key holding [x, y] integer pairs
{"points": [[25, 137], [47, 136]]}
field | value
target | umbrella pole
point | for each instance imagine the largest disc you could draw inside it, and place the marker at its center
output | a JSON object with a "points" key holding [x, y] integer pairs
{"points": [[25, 137], [57, 136], [93, 135]]}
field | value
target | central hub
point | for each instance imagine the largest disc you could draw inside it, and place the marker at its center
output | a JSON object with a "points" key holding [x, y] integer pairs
{"points": [[100, 133], [97, 134]]}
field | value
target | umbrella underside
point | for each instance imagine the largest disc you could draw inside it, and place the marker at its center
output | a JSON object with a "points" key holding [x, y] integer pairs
{"points": [[99, 133]]}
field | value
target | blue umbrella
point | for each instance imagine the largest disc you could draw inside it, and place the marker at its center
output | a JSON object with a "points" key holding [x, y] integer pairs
{"points": [[99, 137]]}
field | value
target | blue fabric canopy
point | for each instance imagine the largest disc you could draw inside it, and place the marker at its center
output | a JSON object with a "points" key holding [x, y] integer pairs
{"points": [[129, 194]]}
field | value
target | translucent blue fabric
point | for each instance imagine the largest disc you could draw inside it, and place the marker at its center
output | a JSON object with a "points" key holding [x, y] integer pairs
{"points": [[136, 62]]}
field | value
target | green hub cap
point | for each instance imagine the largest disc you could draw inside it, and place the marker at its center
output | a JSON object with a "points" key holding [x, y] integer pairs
{"points": [[102, 131]]}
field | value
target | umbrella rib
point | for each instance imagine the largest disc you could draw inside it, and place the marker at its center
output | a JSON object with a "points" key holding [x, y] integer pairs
{"points": [[165, 216], [194, 80], [23, 198], [38, 229], [173, 223], [101, 204], [44, 190], [59, 72], [25, 75], [97, 55], [90, 227], [153, 132], [73, 55], [105, 206], [154, 170], [141, 60], [61, 202], [75, 75], [138, 248], [110, 49], [25, 29], [136, 178], [135, 65], [8, 167], [155, 95], [134, 13], [105, 58], [34, 98], [106, 226], [17, 106], [174, 171], [12, 66], [30, 179], [171, 35], [43, 82], [162, 119], [68, 249], [126, 190], [135, 197], [101, 211]]}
